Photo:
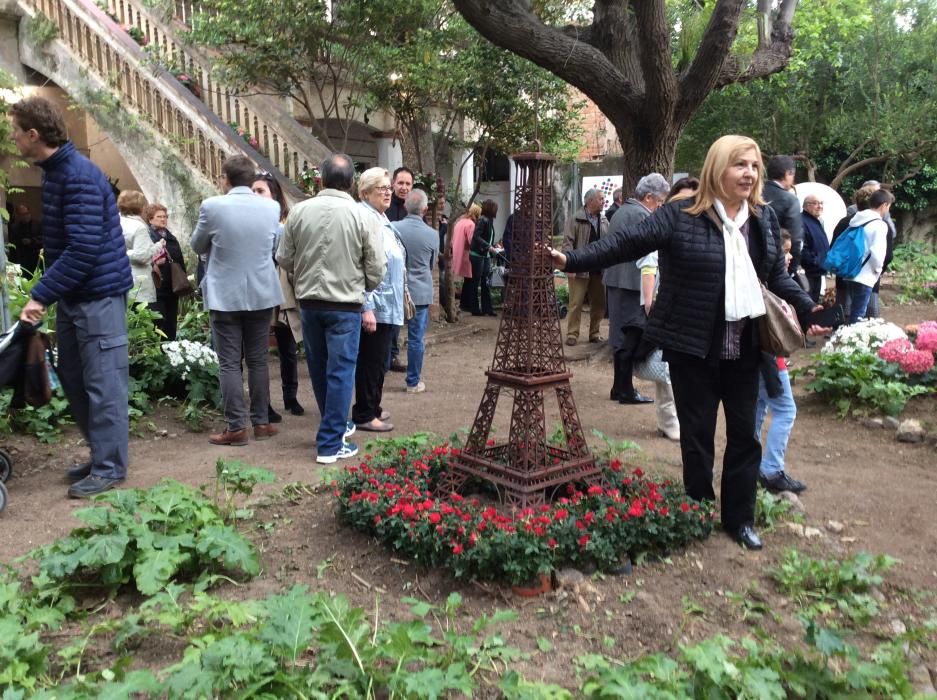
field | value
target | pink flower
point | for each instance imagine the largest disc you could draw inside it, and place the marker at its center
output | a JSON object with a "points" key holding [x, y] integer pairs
{"points": [[917, 361], [926, 339], [895, 349]]}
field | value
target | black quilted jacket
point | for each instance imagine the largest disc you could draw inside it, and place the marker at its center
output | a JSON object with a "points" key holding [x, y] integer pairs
{"points": [[86, 257], [688, 312]]}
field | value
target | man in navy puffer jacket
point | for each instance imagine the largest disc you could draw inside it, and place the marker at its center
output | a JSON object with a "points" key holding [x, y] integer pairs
{"points": [[87, 273]]}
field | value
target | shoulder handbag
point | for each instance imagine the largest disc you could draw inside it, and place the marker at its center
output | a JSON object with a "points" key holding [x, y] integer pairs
{"points": [[653, 368], [180, 281], [409, 308], [779, 330]]}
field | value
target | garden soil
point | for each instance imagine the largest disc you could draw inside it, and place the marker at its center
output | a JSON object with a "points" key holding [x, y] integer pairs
{"points": [[867, 492]]}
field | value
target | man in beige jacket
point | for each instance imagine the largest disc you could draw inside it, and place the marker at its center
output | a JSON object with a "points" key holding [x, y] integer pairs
{"points": [[589, 225], [334, 251]]}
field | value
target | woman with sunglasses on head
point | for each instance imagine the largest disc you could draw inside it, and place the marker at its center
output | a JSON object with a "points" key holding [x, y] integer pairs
{"points": [[383, 309], [716, 250], [286, 324]]}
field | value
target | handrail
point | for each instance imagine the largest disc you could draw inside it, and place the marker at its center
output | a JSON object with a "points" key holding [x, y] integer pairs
{"points": [[288, 145], [199, 135]]}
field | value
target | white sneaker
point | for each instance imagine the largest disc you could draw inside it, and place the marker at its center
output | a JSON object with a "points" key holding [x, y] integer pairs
{"points": [[418, 389], [350, 429], [348, 449]]}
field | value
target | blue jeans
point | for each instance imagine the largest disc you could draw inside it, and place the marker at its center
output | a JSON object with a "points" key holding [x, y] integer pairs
{"points": [[783, 413], [416, 329], [859, 301], [331, 340]]}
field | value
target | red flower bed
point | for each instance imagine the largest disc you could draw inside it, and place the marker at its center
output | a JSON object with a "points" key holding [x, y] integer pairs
{"points": [[392, 497]]}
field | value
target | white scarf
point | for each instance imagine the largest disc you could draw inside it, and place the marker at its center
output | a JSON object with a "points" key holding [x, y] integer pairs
{"points": [[743, 289]]}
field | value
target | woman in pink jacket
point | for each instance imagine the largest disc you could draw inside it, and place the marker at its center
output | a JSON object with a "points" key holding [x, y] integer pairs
{"points": [[461, 266]]}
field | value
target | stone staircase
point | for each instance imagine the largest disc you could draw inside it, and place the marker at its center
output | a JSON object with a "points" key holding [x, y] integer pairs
{"points": [[287, 145], [147, 110]]}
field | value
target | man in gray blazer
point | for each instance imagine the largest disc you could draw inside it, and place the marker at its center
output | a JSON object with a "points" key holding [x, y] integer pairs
{"points": [[626, 316], [240, 288], [422, 246]]}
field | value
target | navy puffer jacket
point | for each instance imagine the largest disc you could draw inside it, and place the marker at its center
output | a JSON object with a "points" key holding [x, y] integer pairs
{"points": [[85, 254], [688, 312]]}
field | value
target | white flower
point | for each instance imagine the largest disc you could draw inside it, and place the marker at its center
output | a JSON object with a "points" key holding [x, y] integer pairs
{"points": [[865, 337]]}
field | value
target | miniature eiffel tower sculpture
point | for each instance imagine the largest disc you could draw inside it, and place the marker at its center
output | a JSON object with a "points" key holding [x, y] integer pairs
{"points": [[528, 361]]}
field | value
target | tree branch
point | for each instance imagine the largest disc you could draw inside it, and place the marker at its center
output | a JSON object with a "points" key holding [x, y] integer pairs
{"points": [[660, 82], [858, 149], [770, 56], [704, 72], [858, 165], [512, 25]]}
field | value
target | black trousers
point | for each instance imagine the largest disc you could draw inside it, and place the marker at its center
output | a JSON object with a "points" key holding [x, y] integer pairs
{"points": [[699, 387], [286, 347], [369, 373], [168, 307], [481, 275]]}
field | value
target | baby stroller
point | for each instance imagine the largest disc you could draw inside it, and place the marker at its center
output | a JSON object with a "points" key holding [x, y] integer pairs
{"points": [[23, 366]]}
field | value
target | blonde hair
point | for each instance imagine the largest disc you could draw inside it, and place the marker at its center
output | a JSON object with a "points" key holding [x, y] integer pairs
{"points": [[474, 211], [720, 156], [131, 203], [370, 179]]}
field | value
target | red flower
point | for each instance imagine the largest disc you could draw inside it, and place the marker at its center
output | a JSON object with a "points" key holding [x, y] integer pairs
{"points": [[638, 472], [457, 549], [685, 507], [409, 511], [594, 491], [561, 514], [551, 543], [583, 541], [434, 518], [615, 465]]}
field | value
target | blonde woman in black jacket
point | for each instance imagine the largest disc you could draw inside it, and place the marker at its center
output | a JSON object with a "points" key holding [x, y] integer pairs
{"points": [[716, 249]]}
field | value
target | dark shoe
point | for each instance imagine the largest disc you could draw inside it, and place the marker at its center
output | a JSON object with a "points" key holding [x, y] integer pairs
{"points": [[748, 538], [616, 396], [273, 416], [397, 367], [91, 486], [264, 432], [235, 438], [78, 472], [597, 339], [571, 341], [294, 407], [782, 482], [636, 397]]}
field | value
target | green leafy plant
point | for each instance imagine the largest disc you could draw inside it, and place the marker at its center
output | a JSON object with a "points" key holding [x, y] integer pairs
{"points": [[145, 538], [41, 30], [234, 479], [823, 587], [860, 382], [915, 270], [721, 668], [771, 510]]}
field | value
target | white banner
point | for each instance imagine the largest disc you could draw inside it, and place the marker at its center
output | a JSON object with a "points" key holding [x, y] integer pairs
{"points": [[606, 183]]}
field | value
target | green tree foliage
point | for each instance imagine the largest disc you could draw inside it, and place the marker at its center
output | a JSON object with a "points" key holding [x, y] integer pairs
{"points": [[419, 60], [857, 101], [8, 150]]}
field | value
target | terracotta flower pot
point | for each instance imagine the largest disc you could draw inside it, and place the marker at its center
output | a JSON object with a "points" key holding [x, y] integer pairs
{"points": [[543, 584]]}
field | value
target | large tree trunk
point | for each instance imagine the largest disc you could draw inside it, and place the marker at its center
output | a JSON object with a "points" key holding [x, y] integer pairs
{"points": [[646, 151], [623, 61]]}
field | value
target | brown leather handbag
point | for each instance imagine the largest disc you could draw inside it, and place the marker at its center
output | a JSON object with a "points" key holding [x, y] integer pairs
{"points": [[779, 329], [180, 281]]}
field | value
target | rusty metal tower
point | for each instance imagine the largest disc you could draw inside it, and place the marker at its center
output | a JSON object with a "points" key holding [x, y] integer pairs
{"points": [[528, 361]]}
